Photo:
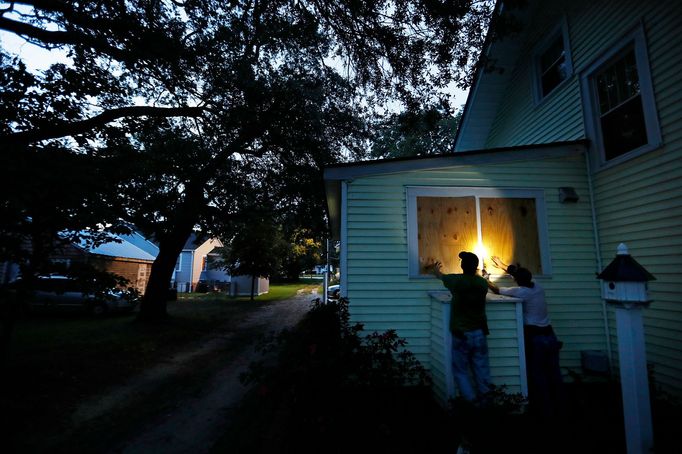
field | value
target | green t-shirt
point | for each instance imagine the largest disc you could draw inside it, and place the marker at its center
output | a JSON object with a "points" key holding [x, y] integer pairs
{"points": [[468, 302]]}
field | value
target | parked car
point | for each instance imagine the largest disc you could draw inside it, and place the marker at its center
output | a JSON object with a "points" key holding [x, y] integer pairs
{"points": [[56, 292], [333, 292]]}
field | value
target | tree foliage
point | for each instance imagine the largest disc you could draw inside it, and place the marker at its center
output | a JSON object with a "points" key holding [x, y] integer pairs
{"points": [[427, 131], [176, 111], [256, 248], [303, 253]]}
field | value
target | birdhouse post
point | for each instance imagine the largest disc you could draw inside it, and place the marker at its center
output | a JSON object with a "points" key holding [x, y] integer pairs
{"points": [[624, 285]]}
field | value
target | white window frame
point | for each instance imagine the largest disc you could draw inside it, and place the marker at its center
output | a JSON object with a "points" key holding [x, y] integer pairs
{"points": [[178, 264], [412, 192], [635, 38], [560, 30]]}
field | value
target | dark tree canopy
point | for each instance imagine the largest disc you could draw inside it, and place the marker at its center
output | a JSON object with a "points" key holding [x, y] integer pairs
{"points": [[173, 112], [431, 130], [206, 59]]}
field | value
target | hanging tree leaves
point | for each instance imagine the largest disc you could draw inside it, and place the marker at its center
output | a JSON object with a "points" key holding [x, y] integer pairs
{"points": [[262, 93]]}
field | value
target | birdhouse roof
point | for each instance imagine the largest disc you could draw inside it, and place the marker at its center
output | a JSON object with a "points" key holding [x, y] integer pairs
{"points": [[625, 269]]}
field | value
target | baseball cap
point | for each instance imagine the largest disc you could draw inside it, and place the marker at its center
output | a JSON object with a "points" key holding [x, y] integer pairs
{"points": [[469, 260]]}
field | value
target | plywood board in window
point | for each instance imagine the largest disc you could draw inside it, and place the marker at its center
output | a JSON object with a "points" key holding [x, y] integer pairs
{"points": [[509, 230], [446, 226]]}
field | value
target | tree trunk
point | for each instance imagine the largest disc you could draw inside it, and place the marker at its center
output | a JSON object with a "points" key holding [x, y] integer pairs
{"points": [[13, 301], [153, 305], [253, 285]]}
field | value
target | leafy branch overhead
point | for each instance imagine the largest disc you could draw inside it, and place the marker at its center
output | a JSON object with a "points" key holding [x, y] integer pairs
{"points": [[182, 115], [213, 60]]}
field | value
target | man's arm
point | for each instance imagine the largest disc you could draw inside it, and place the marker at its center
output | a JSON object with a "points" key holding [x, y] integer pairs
{"points": [[498, 263], [434, 268], [494, 288]]}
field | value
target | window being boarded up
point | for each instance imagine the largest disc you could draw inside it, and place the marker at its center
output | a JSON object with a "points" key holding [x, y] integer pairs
{"points": [[509, 230], [506, 227], [446, 225]]}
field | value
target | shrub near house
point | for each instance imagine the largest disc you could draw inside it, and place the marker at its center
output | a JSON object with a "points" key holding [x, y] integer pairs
{"points": [[326, 371]]}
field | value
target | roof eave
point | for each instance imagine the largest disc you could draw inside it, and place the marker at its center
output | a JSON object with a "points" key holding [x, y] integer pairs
{"points": [[501, 155], [488, 82], [335, 176]]}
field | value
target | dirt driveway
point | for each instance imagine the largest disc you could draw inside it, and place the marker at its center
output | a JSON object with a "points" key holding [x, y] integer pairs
{"points": [[194, 418]]}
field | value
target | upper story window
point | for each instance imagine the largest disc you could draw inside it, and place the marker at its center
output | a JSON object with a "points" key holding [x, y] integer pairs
{"points": [[620, 112], [552, 62], [621, 115], [508, 223], [178, 263]]}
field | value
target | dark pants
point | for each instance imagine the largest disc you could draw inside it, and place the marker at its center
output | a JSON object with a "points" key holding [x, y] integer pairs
{"points": [[545, 385]]}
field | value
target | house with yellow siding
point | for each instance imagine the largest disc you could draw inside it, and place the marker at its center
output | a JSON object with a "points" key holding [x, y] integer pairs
{"points": [[570, 143]]}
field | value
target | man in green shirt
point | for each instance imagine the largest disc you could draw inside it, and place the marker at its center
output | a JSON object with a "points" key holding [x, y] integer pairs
{"points": [[468, 325]]}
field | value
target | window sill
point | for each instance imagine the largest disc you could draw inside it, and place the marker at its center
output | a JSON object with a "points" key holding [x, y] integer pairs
{"points": [[630, 155]]}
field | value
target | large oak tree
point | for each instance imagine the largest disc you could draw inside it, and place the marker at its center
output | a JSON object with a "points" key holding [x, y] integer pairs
{"points": [[242, 95]]}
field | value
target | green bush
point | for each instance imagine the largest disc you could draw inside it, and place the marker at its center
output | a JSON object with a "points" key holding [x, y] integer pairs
{"points": [[327, 380], [327, 350]]}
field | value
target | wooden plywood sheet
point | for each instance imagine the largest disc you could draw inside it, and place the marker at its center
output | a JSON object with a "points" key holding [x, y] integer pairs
{"points": [[509, 230], [446, 226]]}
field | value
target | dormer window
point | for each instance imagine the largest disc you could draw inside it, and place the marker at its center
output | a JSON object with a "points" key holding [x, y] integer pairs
{"points": [[552, 62]]}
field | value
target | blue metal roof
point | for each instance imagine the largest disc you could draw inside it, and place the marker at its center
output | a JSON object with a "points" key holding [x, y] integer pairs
{"points": [[123, 249]]}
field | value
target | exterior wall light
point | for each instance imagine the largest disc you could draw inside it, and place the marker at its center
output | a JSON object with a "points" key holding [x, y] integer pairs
{"points": [[568, 195]]}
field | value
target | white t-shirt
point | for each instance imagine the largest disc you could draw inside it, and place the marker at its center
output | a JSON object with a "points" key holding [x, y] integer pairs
{"points": [[534, 305]]}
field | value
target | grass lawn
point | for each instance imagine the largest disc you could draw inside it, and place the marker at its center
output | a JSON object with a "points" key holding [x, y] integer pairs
{"points": [[57, 361], [276, 292]]}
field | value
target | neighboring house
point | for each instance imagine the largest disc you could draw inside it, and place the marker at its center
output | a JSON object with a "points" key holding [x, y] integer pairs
{"points": [[192, 261], [570, 145], [213, 275], [194, 264], [119, 257], [141, 242]]}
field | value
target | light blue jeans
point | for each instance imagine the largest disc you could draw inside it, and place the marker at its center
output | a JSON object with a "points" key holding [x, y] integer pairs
{"points": [[471, 351]]}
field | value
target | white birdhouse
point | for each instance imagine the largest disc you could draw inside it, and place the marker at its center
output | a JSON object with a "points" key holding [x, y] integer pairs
{"points": [[624, 281], [624, 285]]}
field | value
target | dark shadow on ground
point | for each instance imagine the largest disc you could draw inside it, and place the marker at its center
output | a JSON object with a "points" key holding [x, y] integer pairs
{"points": [[409, 421]]}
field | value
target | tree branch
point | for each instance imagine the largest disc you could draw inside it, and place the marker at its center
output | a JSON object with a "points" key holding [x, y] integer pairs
{"points": [[79, 127], [60, 38], [28, 30]]}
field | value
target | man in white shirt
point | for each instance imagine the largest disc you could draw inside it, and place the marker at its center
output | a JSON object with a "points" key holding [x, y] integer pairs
{"points": [[545, 384]]}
